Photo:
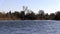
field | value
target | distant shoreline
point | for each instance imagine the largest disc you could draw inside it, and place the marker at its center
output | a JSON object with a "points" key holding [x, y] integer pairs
{"points": [[30, 15]]}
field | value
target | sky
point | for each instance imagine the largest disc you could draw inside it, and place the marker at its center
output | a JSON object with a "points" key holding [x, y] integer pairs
{"points": [[49, 6]]}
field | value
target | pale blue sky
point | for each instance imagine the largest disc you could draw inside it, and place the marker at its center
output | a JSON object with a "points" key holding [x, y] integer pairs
{"points": [[48, 6]]}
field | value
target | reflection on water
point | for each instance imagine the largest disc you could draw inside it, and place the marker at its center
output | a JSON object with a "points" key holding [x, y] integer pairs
{"points": [[30, 27]]}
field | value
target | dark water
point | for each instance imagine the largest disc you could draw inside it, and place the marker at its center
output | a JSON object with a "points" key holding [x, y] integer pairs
{"points": [[30, 27]]}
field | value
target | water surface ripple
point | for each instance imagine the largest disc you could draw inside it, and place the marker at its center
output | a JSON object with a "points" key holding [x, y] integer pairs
{"points": [[30, 27]]}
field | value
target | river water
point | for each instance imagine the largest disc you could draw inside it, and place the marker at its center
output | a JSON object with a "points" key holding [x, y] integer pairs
{"points": [[29, 27]]}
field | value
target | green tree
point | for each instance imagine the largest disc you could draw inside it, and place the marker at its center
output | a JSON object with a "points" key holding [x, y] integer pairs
{"points": [[22, 15], [57, 16], [46, 16], [31, 16], [52, 16], [40, 15]]}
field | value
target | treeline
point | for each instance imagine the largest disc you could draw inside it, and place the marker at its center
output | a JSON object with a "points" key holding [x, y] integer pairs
{"points": [[27, 14]]}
